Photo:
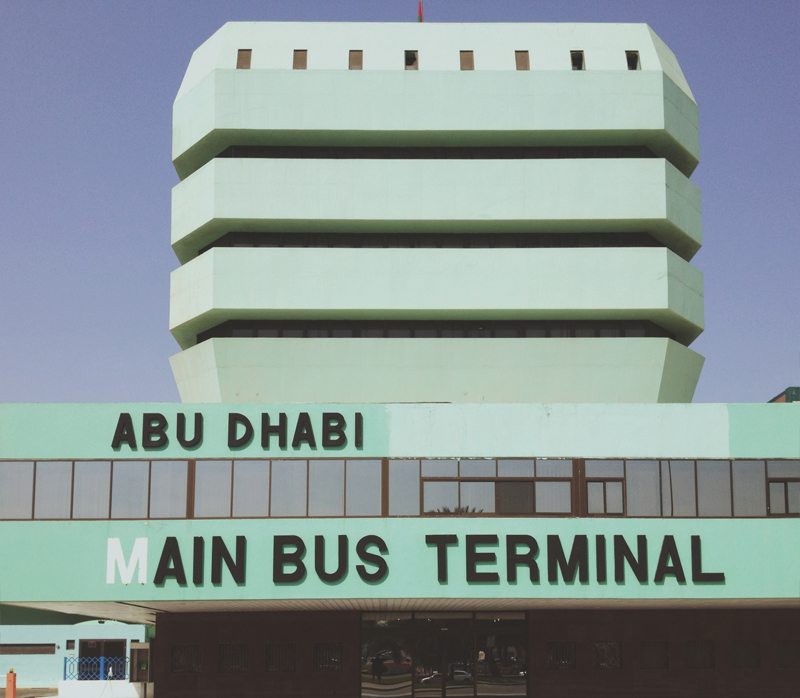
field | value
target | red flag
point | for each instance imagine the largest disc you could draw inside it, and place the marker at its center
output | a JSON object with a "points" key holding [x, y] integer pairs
{"points": [[419, 11]]}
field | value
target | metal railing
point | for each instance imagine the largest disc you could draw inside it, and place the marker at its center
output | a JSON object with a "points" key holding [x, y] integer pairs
{"points": [[96, 668]]}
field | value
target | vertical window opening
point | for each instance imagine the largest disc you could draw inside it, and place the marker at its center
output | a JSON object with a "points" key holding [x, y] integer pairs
{"points": [[243, 57], [467, 60], [356, 60], [300, 59], [523, 60], [412, 60], [632, 57], [578, 62]]}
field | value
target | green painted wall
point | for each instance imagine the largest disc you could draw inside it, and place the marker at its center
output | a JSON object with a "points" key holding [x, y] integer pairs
{"points": [[762, 564], [58, 431], [589, 284]]}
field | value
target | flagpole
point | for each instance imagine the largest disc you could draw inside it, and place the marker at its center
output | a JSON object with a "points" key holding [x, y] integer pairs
{"points": [[419, 11]]}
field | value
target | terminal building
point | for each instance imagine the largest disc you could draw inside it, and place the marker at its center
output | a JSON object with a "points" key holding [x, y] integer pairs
{"points": [[434, 306]]}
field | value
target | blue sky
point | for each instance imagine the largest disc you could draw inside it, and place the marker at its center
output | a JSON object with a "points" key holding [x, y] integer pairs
{"points": [[85, 179]]}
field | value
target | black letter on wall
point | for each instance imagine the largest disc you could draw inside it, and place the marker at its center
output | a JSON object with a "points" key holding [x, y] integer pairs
{"points": [[333, 426], [382, 569], [268, 429], [578, 560], [154, 430], [234, 420], [474, 558], [303, 432], [528, 558], [697, 565], [280, 558], [669, 562], [441, 541], [197, 439], [124, 433], [319, 560], [622, 554], [170, 565], [220, 553]]}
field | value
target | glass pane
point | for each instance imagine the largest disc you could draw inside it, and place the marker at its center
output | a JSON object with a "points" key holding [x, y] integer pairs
{"points": [[605, 468], [515, 497], [53, 489], [553, 497], [515, 467], [553, 468], [250, 488], [288, 488], [613, 498], [386, 646], [16, 489], [713, 488], [440, 497], [439, 468], [477, 468], [168, 489], [212, 489], [91, 490], [642, 488], [783, 468], [363, 488], [129, 489], [477, 497], [749, 488], [595, 498], [677, 488], [777, 498], [326, 488], [403, 488], [794, 497]]}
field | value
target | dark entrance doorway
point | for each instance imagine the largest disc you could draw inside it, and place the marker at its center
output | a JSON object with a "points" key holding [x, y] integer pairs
{"points": [[443, 655], [101, 659]]}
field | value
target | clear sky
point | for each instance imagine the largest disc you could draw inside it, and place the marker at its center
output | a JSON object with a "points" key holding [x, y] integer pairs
{"points": [[85, 179]]}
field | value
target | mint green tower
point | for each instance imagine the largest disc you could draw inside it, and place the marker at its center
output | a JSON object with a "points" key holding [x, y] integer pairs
{"points": [[435, 213]]}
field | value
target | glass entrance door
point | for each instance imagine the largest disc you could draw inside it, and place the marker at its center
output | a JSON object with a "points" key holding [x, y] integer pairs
{"points": [[444, 660]]}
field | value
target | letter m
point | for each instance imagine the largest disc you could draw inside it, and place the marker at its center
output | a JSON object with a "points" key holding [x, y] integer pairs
{"points": [[116, 562]]}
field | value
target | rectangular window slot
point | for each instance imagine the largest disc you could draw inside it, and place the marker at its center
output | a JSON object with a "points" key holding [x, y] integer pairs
{"points": [[467, 60], [523, 60], [412, 60], [30, 648], [577, 59], [243, 57], [632, 57], [356, 60], [300, 59]]}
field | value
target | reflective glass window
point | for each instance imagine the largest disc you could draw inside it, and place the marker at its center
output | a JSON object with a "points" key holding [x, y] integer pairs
{"points": [[643, 488], [288, 496], [605, 468], [326, 487], [16, 489], [387, 643], [53, 489], [478, 467], [250, 488], [477, 497], [793, 495], [403, 488], [515, 467], [212, 489], [546, 467], [439, 468], [363, 488], [440, 497], [614, 497], [595, 498], [783, 468], [749, 488], [168, 489], [90, 496], [553, 497], [502, 656], [515, 497], [713, 488], [129, 489], [677, 488], [777, 498]]}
